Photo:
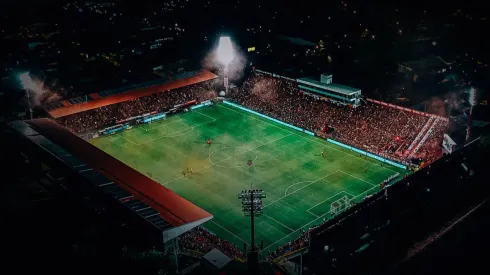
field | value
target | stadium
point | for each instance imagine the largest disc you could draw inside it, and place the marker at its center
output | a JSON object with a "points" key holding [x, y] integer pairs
{"points": [[174, 154]]}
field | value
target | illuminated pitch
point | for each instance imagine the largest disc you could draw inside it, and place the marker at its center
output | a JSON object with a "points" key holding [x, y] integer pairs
{"points": [[301, 185]]}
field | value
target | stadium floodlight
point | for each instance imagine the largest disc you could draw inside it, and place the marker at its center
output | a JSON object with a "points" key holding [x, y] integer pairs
{"points": [[472, 101], [27, 84], [225, 51], [472, 97], [251, 207], [225, 55]]}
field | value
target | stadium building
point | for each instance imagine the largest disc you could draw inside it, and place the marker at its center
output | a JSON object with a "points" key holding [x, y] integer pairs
{"points": [[140, 150]]}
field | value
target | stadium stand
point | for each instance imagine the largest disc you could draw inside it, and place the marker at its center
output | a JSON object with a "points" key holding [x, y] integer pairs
{"points": [[376, 128], [127, 93], [395, 133], [203, 242], [163, 209], [108, 115]]}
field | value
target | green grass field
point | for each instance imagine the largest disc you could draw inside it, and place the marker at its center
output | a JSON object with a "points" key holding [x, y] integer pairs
{"points": [[299, 182]]}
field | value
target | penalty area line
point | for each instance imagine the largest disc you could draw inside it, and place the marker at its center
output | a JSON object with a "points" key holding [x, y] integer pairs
{"points": [[286, 192], [328, 175], [363, 193], [325, 200], [314, 220], [372, 184], [278, 222], [312, 213]]}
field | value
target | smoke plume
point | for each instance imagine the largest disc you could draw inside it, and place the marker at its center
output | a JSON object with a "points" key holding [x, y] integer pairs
{"points": [[451, 103], [39, 93], [235, 68]]}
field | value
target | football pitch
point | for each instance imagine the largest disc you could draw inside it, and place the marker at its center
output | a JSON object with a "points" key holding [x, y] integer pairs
{"points": [[300, 183]]}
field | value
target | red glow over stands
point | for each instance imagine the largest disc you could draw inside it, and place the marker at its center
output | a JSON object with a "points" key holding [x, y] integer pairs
{"points": [[204, 75]]}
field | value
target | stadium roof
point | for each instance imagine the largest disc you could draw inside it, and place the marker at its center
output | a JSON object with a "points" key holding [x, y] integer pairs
{"points": [[333, 87], [161, 207], [130, 92]]}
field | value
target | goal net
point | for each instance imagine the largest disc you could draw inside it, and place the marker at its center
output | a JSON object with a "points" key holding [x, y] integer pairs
{"points": [[339, 206]]}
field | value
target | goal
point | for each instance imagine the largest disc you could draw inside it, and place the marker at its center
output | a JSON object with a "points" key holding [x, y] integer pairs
{"points": [[339, 206]]}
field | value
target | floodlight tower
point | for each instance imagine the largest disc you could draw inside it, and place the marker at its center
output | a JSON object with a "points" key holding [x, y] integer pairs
{"points": [[225, 55], [472, 100], [252, 206], [26, 82]]}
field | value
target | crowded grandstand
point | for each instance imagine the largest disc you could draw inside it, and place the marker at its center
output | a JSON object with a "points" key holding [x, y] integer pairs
{"points": [[396, 133], [407, 137]]}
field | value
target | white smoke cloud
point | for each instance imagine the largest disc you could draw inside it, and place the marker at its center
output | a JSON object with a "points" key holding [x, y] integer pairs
{"points": [[235, 68], [447, 104], [39, 93]]}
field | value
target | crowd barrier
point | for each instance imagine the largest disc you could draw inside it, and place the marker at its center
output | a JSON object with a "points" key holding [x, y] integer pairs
{"points": [[128, 123], [367, 154], [114, 129], [129, 119], [269, 118], [203, 104], [154, 117], [406, 109], [312, 134]]}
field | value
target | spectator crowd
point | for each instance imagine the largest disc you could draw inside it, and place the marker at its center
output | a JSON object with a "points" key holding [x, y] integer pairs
{"points": [[200, 240], [371, 127], [375, 128], [301, 241], [108, 115]]}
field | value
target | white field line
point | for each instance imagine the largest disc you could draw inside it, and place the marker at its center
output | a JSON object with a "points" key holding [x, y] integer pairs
{"points": [[349, 194], [305, 137], [230, 232], [156, 127], [372, 184], [174, 134], [161, 124], [295, 231], [363, 193], [325, 200], [278, 222], [216, 163], [318, 217], [312, 213], [286, 192], [204, 115], [300, 189], [126, 139]]}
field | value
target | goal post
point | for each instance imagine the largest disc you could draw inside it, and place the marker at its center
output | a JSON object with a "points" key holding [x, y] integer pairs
{"points": [[339, 206]]}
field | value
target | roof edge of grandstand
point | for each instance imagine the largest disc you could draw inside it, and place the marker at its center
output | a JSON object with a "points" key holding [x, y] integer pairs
{"points": [[173, 209], [382, 103], [353, 90], [335, 87], [69, 109]]}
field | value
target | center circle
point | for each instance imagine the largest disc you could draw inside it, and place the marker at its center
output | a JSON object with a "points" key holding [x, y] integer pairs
{"points": [[232, 157]]}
